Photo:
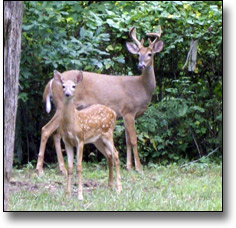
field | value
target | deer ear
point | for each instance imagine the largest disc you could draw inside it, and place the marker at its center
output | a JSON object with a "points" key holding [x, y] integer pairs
{"points": [[79, 77], [132, 48], [158, 46], [58, 76]]}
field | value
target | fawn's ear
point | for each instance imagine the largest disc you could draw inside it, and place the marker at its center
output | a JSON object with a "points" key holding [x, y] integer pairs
{"points": [[58, 76], [79, 77]]}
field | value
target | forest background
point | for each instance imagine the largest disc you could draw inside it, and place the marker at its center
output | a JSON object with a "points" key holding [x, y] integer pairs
{"points": [[184, 118]]}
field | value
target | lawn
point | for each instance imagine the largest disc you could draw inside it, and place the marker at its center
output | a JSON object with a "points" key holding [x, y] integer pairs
{"points": [[197, 187]]}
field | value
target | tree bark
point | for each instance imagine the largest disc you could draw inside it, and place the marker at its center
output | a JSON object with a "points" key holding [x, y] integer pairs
{"points": [[13, 11]]}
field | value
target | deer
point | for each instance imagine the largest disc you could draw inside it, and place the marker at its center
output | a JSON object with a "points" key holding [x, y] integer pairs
{"points": [[94, 124], [128, 96]]}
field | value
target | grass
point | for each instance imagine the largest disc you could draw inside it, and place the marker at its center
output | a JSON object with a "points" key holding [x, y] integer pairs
{"points": [[158, 188]]}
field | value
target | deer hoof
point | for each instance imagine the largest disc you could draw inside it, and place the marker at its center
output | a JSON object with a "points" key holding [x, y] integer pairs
{"points": [[129, 167], [39, 172], [80, 197], [119, 189], [63, 171], [139, 169]]}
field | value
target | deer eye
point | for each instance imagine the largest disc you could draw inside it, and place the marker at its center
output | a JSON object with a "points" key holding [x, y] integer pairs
{"points": [[73, 86], [63, 87], [149, 54]]}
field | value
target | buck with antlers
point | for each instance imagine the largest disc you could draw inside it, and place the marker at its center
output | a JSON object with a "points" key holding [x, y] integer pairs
{"points": [[94, 124], [128, 96]]}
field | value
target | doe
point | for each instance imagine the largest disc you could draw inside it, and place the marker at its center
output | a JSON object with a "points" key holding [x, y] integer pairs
{"points": [[94, 124]]}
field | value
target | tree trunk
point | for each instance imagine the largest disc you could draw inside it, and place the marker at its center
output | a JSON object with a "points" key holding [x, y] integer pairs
{"points": [[13, 11]]}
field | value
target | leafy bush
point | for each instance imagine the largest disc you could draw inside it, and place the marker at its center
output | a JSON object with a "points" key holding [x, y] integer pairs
{"points": [[182, 125]]}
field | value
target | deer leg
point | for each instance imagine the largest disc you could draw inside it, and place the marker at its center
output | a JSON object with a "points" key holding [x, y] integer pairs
{"points": [[129, 153], [80, 149], [47, 130], [117, 164], [70, 157], [57, 142], [130, 127], [108, 141], [101, 147]]}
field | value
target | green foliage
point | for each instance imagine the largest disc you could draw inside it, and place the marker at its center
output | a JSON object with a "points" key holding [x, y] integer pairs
{"points": [[91, 36], [170, 129]]}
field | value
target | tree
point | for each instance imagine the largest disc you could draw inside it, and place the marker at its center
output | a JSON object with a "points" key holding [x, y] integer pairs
{"points": [[13, 11]]}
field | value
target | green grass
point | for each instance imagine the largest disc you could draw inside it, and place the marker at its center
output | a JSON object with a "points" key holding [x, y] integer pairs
{"points": [[158, 188]]}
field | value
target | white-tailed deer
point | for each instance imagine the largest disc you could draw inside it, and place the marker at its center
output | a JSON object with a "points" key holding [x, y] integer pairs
{"points": [[94, 124], [128, 96]]}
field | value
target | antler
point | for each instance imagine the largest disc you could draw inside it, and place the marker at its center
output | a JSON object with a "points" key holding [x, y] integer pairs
{"points": [[153, 34], [132, 34]]}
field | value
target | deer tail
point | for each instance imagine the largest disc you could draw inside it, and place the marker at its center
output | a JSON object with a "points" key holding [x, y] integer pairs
{"points": [[47, 95]]}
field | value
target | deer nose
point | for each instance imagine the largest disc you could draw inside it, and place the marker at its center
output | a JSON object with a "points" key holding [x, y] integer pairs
{"points": [[67, 94], [141, 66]]}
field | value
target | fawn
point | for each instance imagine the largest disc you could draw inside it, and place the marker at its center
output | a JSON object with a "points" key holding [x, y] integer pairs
{"points": [[94, 124]]}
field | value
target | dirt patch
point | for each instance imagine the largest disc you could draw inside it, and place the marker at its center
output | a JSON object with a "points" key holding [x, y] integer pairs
{"points": [[88, 186], [18, 185]]}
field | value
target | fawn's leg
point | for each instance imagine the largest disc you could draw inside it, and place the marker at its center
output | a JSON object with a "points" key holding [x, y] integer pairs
{"points": [[57, 141], [70, 157], [117, 164], [115, 155], [105, 151], [80, 149]]}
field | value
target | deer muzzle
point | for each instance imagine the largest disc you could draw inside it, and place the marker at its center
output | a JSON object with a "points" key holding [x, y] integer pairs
{"points": [[141, 66], [67, 94]]}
